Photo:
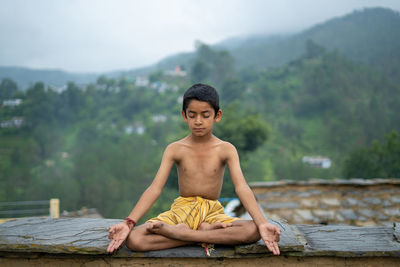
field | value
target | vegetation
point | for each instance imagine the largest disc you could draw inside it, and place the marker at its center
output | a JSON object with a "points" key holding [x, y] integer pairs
{"points": [[381, 161], [100, 145]]}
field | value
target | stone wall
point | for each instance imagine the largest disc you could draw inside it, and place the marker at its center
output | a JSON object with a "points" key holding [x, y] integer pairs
{"points": [[353, 202], [83, 242]]}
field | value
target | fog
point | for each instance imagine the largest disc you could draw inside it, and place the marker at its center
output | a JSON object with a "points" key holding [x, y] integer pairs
{"points": [[99, 35]]}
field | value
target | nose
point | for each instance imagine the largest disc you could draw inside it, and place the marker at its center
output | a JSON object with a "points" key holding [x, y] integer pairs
{"points": [[198, 120]]}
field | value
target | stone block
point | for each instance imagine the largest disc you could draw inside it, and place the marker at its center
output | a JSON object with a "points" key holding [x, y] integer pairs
{"points": [[361, 219], [304, 194], [314, 192], [351, 192], [350, 202], [395, 199], [297, 219], [306, 215], [372, 200], [330, 201], [280, 205], [285, 214], [349, 239], [392, 212], [381, 216], [387, 203], [325, 214], [348, 214], [308, 203], [367, 213], [387, 190], [268, 195], [366, 223], [339, 218]]}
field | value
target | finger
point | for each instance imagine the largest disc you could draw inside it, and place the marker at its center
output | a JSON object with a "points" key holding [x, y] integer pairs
{"points": [[277, 237], [111, 236], [112, 246], [276, 249], [117, 244], [270, 248], [109, 248]]}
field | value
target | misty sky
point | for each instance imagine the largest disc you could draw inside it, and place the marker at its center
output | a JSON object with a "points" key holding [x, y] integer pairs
{"points": [[100, 35]]}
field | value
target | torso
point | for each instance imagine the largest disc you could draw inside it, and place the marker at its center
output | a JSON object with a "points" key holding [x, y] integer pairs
{"points": [[200, 168]]}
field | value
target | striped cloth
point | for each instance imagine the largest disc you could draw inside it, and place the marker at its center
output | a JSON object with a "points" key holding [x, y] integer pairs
{"points": [[192, 211]]}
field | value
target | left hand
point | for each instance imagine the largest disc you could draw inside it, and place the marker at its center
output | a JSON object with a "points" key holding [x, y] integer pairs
{"points": [[271, 236]]}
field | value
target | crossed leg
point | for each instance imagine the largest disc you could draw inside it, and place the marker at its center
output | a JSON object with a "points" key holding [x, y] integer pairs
{"points": [[159, 235]]}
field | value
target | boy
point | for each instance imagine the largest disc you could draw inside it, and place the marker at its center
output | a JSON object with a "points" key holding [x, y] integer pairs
{"points": [[196, 216]]}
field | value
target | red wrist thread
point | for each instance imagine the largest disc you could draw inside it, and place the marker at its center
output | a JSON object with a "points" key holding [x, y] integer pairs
{"points": [[131, 223]]}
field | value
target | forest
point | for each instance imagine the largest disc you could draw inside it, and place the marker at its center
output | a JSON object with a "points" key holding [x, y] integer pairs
{"points": [[100, 145]]}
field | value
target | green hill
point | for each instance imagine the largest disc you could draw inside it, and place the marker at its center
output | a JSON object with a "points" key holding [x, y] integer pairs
{"points": [[25, 77], [370, 36], [107, 140]]}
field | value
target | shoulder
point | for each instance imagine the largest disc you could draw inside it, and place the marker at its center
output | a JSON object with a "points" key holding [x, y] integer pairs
{"points": [[227, 146], [175, 148], [227, 150]]}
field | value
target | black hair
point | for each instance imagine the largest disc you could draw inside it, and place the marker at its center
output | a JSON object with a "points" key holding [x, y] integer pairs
{"points": [[201, 92]]}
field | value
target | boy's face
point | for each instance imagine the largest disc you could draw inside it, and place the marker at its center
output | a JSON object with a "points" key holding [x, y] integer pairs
{"points": [[200, 116]]}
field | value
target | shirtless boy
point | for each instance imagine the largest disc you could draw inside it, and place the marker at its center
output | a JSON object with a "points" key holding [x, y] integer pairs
{"points": [[196, 216]]}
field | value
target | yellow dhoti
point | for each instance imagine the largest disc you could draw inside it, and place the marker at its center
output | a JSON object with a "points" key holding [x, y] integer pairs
{"points": [[192, 211]]}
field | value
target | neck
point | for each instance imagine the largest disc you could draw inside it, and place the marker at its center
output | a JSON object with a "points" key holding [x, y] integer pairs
{"points": [[201, 139]]}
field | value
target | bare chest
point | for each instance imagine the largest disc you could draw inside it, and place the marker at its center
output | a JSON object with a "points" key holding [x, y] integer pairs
{"points": [[205, 163]]}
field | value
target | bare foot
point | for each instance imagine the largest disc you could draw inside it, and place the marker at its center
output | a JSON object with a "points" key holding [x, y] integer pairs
{"points": [[167, 230], [206, 226], [182, 226], [153, 226]]}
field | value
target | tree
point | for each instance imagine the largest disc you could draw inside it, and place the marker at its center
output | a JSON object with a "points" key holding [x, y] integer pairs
{"points": [[242, 128], [313, 50], [7, 89], [200, 71], [213, 65], [377, 161], [232, 89]]}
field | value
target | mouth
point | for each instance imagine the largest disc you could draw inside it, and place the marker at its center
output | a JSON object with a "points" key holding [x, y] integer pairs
{"points": [[198, 129]]}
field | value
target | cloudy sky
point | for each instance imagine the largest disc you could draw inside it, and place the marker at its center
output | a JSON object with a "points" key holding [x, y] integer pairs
{"points": [[105, 35]]}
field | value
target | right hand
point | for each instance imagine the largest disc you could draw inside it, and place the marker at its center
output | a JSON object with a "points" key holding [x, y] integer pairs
{"points": [[118, 233]]}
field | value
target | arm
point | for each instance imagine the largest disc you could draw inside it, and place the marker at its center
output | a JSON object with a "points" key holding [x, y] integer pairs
{"points": [[119, 232], [269, 232]]}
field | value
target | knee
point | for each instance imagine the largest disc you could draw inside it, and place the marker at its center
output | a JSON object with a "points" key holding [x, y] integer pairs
{"points": [[136, 242], [251, 232]]}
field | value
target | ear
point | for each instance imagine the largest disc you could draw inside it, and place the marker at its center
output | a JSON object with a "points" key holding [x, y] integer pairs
{"points": [[218, 117], [184, 116]]}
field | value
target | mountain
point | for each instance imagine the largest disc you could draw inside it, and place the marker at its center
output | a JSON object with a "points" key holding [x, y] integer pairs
{"points": [[24, 77], [370, 36]]}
